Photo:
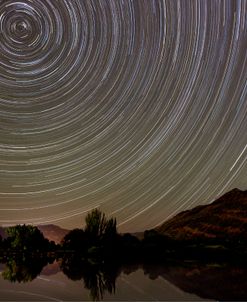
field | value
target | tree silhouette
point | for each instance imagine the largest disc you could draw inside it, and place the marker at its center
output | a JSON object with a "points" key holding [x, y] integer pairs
{"points": [[98, 227], [95, 223], [98, 238], [26, 238], [75, 240]]}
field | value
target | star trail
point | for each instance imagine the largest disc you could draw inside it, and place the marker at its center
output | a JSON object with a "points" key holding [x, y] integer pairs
{"points": [[136, 107]]}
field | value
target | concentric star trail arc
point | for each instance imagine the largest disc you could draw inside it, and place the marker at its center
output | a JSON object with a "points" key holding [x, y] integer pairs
{"points": [[138, 108]]}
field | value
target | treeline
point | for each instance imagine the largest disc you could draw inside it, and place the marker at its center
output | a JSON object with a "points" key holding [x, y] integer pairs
{"points": [[99, 241], [25, 239]]}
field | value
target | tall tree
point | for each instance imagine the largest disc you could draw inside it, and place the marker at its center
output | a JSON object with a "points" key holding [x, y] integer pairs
{"points": [[96, 223], [98, 226]]}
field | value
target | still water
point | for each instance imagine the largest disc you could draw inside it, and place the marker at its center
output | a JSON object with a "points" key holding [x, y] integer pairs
{"points": [[190, 282]]}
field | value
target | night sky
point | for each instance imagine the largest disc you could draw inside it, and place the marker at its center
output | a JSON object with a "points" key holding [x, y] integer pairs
{"points": [[136, 107]]}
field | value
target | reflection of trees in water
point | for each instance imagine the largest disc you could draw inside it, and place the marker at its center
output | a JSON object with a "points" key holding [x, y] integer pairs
{"points": [[98, 278], [196, 278], [23, 269]]}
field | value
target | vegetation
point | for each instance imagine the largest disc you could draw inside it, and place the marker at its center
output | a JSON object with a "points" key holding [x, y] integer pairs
{"points": [[96, 253], [26, 238], [98, 227], [100, 242]]}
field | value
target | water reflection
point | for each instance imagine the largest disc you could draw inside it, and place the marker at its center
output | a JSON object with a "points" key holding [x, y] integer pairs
{"points": [[23, 268], [97, 277], [208, 281]]}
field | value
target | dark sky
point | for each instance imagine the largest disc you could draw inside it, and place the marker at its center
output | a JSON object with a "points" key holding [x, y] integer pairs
{"points": [[137, 107]]}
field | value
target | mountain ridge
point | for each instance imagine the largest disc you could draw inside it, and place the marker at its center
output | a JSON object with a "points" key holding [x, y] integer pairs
{"points": [[224, 217]]}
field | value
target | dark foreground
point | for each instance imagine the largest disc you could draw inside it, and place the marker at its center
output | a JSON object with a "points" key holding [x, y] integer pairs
{"points": [[39, 277]]}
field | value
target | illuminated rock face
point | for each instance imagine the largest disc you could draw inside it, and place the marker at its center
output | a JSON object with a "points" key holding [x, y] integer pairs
{"points": [[226, 217]]}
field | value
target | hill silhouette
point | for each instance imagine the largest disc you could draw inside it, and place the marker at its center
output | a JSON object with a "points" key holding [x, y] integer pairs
{"points": [[224, 218], [53, 232]]}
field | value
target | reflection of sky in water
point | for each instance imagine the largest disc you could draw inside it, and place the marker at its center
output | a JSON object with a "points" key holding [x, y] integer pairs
{"points": [[57, 287]]}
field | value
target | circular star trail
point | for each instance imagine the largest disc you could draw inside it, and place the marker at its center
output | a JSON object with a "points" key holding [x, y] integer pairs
{"points": [[136, 107]]}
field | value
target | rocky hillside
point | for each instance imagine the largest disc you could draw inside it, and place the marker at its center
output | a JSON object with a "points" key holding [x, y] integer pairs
{"points": [[225, 217]]}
